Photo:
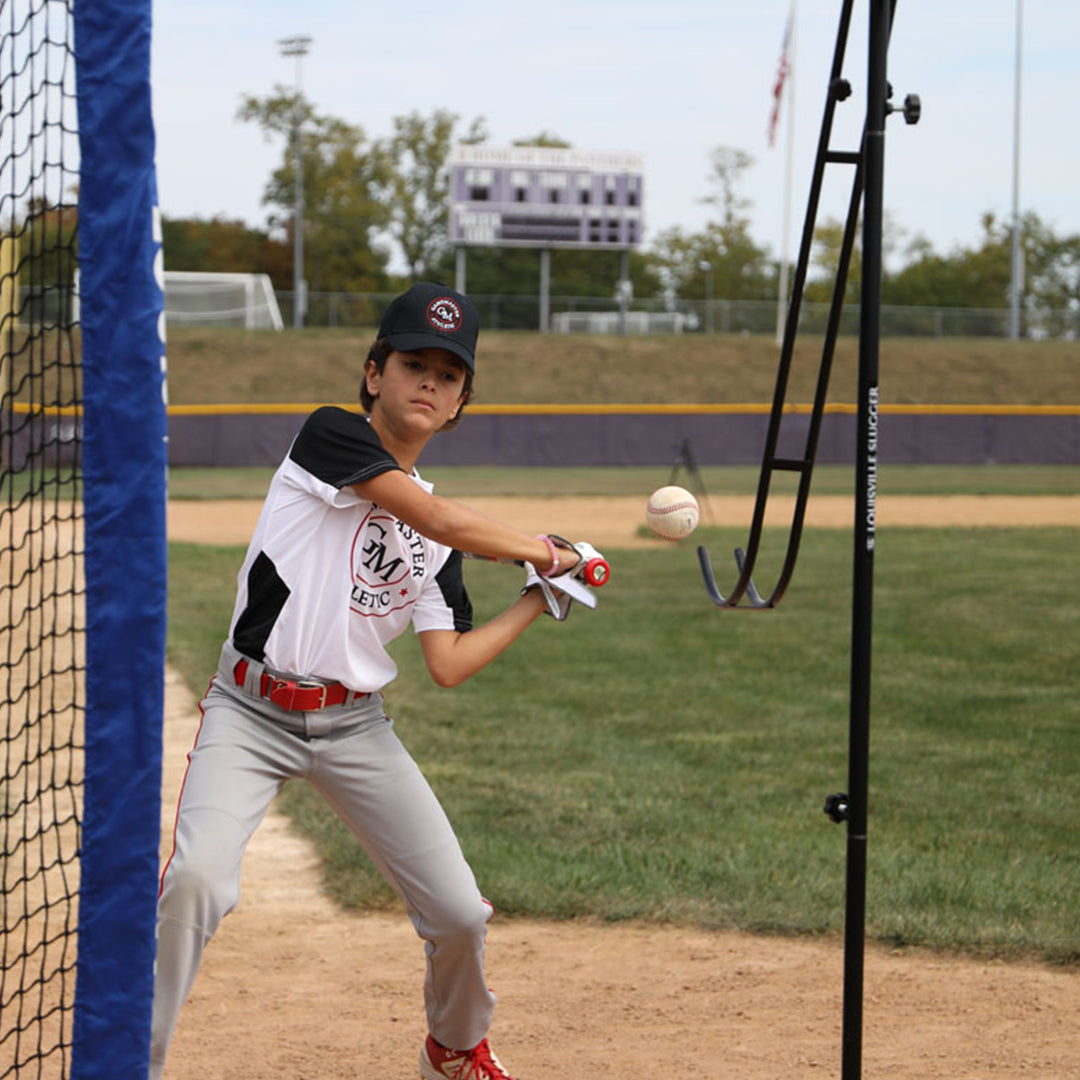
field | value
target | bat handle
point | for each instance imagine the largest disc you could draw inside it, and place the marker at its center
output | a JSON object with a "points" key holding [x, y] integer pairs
{"points": [[596, 572]]}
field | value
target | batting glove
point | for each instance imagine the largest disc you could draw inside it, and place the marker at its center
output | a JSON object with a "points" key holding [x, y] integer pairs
{"points": [[557, 601], [593, 568]]}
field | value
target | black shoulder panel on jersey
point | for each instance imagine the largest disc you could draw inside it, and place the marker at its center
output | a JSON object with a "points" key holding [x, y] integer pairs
{"points": [[452, 583], [266, 596], [340, 448]]}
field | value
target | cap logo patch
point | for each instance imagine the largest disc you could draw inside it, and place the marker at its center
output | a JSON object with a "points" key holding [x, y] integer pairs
{"points": [[444, 314]]}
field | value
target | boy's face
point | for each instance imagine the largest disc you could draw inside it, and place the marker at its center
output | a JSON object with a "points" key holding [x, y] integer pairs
{"points": [[422, 389]]}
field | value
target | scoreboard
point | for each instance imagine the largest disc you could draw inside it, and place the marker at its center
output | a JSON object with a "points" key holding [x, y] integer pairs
{"points": [[537, 196]]}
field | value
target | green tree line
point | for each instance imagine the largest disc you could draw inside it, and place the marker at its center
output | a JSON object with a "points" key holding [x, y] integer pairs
{"points": [[374, 203], [368, 200]]}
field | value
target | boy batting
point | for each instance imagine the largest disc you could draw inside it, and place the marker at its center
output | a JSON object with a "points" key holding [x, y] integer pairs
{"points": [[351, 548]]}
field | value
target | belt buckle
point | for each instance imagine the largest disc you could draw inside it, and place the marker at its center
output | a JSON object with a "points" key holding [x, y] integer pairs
{"points": [[320, 686], [282, 692]]}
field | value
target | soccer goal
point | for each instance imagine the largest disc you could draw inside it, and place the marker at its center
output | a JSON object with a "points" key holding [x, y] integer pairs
{"points": [[193, 298], [614, 322]]}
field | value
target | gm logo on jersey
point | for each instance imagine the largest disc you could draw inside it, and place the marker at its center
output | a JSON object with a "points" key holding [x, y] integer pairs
{"points": [[388, 565]]}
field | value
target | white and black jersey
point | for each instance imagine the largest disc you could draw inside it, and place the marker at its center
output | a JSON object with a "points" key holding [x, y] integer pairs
{"points": [[331, 578]]}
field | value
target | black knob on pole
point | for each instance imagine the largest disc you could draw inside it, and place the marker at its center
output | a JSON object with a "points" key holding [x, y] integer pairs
{"points": [[836, 807]]}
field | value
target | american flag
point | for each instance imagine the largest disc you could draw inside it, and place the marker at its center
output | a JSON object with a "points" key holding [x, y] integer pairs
{"points": [[781, 77]]}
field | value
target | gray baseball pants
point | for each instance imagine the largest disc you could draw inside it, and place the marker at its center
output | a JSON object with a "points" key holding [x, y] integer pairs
{"points": [[245, 750]]}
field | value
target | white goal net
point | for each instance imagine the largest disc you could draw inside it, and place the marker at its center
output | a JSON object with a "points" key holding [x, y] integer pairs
{"points": [[193, 298], [612, 322]]}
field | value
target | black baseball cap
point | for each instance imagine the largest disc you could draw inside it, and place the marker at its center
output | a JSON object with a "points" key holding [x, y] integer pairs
{"points": [[431, 315]]}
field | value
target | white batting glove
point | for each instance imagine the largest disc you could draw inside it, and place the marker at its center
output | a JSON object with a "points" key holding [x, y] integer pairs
{"points": [[557, 600], [571, 585], [560, 591], [591, 568], [587, 567]]}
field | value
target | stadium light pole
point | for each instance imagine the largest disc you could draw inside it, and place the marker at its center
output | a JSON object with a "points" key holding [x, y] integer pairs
{"points": [[1016, 274], [298, 46]]}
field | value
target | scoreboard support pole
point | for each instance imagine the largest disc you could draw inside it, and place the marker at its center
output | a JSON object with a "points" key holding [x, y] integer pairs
{"points": [[624, 288], [459, 269], [545, 289]]}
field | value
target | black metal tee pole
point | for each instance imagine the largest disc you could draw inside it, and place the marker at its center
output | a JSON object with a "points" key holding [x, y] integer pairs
{"points": [[864, 535]]}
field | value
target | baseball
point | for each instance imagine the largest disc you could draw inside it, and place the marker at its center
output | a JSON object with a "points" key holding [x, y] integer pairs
{"points": [[672, 512]]}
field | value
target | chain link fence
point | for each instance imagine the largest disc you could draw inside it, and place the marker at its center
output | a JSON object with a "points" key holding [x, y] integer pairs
{"points": [[594, 314], [507, 312]]}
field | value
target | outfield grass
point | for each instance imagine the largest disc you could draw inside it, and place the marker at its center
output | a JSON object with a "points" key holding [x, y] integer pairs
{"points": [[462, 481], [221, 366], [658, 759]]}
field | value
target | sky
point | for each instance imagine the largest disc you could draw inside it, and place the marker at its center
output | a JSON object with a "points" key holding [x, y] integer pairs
{"points": [[670, 81]]}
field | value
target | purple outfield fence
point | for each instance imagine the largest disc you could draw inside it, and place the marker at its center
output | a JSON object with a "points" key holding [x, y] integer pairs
{"points": [[961, 435]]}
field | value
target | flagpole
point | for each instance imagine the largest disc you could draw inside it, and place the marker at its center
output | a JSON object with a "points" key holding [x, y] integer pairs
{"points": [[1016, 262], [785, 242]]}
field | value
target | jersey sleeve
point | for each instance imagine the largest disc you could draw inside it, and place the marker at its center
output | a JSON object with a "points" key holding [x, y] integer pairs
{"points": [[340, 448], [444, 603]]}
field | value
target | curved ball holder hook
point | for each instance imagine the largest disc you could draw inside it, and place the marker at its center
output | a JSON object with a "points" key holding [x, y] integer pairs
{"points": [[744, 594]]}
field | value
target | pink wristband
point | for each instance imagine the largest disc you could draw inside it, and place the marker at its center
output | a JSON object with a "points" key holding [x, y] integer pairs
{"points": [[554, 557]]}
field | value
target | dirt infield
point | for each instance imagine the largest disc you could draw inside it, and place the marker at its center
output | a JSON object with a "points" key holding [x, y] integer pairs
{"points": [[294, 989], [43, 650], [615, 520]]}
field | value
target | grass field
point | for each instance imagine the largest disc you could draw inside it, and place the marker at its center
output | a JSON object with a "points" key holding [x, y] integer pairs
{"points": [[223, 367], [461, 482], [660, 760]]}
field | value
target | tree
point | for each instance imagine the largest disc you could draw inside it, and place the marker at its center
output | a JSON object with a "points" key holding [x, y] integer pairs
{"points": [[343, 175], [740, 269], [477, 133], [415, 185], [825, 252], [1051, 267], [513, 271], [981, 276], [545, 138], [48, 237], [225, 246], [726, 168], [968, 277]]}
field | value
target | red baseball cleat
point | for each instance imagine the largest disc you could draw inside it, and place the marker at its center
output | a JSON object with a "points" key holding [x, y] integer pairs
{"points": [[479, 1063]]}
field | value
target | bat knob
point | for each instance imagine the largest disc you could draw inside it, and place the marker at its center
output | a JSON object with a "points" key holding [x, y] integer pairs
{"points": [[596, 572]]}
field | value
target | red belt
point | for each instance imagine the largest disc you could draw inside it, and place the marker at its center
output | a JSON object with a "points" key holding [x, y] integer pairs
{"points": [[296, 695]]}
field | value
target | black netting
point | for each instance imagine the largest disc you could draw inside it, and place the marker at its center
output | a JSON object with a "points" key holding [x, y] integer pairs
{"points": [[41, 584]]}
